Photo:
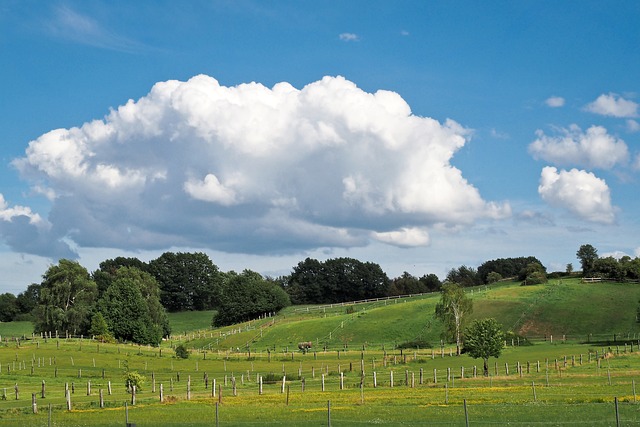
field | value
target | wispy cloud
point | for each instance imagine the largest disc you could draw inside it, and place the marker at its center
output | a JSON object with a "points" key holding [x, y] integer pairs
{"points": [[554, 101], [349, 37], [71, 25]]}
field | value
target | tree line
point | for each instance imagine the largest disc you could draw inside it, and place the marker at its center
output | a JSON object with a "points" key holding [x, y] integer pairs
{"points": [[127, 299]]}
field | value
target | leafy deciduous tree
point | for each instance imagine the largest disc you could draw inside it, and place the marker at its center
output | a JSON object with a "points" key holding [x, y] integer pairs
{"points": [[484, 339], [246, 296], [587, 255], [67, 296], [452, 310]]}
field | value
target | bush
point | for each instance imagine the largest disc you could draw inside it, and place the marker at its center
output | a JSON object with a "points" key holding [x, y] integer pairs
{"points": [[182, 352], [417, 344], [133, 378]]}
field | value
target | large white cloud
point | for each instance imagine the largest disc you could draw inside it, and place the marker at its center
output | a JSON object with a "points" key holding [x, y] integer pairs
{"points": [[579, 192], [255, 169], [613, 105], [594, 148]]}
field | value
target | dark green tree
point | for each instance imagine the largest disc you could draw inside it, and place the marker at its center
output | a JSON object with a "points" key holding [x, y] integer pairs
{"points": [[431, 282], [452, 310], [484, 339], [534, 274], [8, 307], [464, 276], [247, 296], [188, 281], [336, 280], [132, 309], [506, 267], [99, 328], [67, 296], [107, 269], [587, 255], [27, 300]]}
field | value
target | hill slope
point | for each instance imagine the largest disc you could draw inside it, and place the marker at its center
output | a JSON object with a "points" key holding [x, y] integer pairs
{"points": [[561, 308]]}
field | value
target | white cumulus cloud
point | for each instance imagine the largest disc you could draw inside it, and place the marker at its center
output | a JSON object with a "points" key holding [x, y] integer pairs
{"points": [[613, 105], [253, 169], [579, 192], [594, 148]]}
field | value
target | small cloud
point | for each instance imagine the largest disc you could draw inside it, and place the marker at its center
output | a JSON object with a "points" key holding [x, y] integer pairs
{"points": [[579, 192], [613, 105], [404, 33], [498, 134], [554, 101], [594, 148], [633, 126], [349, 37], [405, 237]]}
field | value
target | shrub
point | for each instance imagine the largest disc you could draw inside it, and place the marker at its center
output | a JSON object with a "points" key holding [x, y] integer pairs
{"points": [[133, 378], [182, 352], [417, 344]]}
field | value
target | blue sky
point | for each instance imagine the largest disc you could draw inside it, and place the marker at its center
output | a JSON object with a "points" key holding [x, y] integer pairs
{"points": [[421, 135]]}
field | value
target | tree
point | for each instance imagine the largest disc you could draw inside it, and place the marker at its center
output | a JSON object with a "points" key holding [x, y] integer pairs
{"points": [[506, 267], [28, 300], [131, 307], [534, 274], [336, 280], [431, 282], [8, 307], [67, 296], [246, 296], [569, 268], [452, 310], [493, 277], [99, 328], [188, 281], [587, 255], [484, 339], [464, 276]]}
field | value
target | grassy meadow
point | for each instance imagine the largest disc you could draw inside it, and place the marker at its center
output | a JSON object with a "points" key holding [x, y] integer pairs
{"points": [[354, 373]]}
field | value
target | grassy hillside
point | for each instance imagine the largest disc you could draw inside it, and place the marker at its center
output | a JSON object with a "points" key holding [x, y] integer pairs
{"points": [[558, 308], [561, 308]]}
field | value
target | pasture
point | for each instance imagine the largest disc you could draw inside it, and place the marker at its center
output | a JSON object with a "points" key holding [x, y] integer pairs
{"points": [[549, 383], [581, 367]]}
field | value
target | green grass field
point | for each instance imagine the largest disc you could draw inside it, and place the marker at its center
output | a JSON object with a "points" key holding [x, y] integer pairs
{"points": [[555, 382]]}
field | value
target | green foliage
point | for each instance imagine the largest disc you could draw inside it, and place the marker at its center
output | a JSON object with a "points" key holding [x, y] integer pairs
{"points": [[506, 267], [484, 339], [181, 351], [246, 296], [133, 378], [452, 310], [99, 328], [464, 276], [8, 307], [534, 274], [67, 296], [417, 344], [587, 255], [188, 281], [411, 285], [336, 280], [493, 277], [132, 308]]}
